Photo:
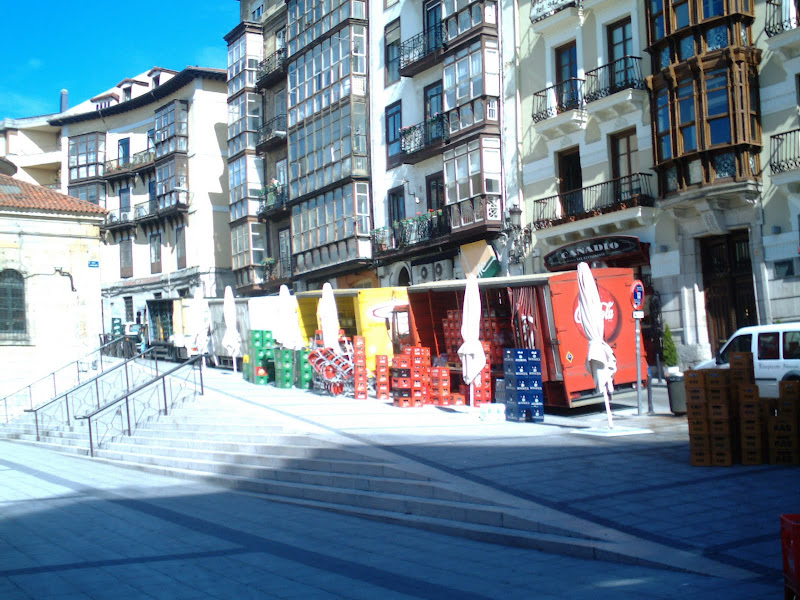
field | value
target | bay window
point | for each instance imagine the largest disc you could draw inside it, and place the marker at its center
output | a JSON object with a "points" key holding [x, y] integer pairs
{"points": [[472, 169], [172, 126], [87, 156]]}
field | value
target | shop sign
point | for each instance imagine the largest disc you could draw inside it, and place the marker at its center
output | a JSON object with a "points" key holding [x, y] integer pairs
{"points": [[600, 248]]}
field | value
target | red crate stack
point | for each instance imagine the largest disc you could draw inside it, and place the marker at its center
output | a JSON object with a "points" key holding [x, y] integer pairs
{"points": [[401, 381], [440, 386], [382, 377], [360, 381], [483, 383], [452, 334]]}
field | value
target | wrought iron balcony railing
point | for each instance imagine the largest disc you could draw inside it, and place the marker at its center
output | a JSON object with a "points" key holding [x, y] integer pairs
{"points": [[558, 98], [597, 199], [784, 151], [421, 45], [410, 232], [146, 209], [274, 63], [119, 216], [622, 74], [128, 163], [432, 130], [273, 198], [274, 128], [782, 15]]}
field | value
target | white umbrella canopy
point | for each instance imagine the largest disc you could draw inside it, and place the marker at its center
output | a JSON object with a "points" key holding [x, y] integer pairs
{"points": [[473, 358], [287, 330], [600, 359], [201, 323], [328, 319], [294, 336], [232, 340]]}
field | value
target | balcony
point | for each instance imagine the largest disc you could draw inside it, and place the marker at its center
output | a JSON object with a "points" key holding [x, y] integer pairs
{"points": [[119, 168], [616, 88], [274, 200], [409, 233], [271, 133], [542, 9], [277, 271], [271, 69], [171, 207], [119, 219], [565, 100], [481, 213], [783, 27], [784, 157], [422, 51], [593, 201], [424, 140]]}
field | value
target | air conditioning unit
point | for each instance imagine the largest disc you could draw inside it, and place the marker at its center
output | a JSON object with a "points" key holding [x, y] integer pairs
{"points": [[422, 273], [443, 269], [124, 217]]}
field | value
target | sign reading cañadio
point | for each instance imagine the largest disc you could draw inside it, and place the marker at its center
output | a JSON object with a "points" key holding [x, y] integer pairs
{"points": [[601, 248]]}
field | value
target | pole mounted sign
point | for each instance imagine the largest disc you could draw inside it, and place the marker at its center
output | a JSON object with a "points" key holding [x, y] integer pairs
{"points": [[637, 295]]}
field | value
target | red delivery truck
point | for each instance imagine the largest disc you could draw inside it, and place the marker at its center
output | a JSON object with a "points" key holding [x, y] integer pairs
{"points": [[532, 311]]}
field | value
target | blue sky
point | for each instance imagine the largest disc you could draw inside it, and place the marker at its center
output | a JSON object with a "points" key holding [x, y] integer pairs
{"points": [[88, 46]]}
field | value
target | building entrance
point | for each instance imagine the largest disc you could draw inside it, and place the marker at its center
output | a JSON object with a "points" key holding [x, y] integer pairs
{"points": [[728, 283]]}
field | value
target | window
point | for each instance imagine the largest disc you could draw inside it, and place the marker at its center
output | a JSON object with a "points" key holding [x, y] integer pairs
{"points": [[472, 169], [664, 143], [718, 126], [769, 346], [256, 10], [741, 343], [124, 200], [126, 94], [128, 301], [624, 155], [285, 251], [172, 128], [258, 233], [713, 8], [680, 10], [155, 253], [657, 19], [171, 183], [12, 305], [180, 246], [124, 151], [791, 345], [396, 201], [240, 246], [91, 192], [434, 185], [87, 155], [392, 55], [620, 40], [394, 122], [126, 258], [686, 117]]}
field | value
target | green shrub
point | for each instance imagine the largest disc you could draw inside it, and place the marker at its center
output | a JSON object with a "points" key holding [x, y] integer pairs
{"points": [[670, 351]]}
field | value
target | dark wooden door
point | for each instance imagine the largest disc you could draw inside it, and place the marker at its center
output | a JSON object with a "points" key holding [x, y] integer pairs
{"points": [[728, 283], [570, 182]]}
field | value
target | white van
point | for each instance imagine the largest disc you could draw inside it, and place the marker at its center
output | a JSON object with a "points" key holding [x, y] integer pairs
{"points": [[776, 354]]}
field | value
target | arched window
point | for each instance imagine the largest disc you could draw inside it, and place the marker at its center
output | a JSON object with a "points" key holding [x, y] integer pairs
{"points": [[12, 304]]}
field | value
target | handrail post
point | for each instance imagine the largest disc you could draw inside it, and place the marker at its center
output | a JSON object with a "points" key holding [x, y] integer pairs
{"points": [[91, 443], [36, 419], [128, 412], [66, 403], [78, 367], [55, 387], [202, 389], [30, 395], [97, 390], [127, 379], [164, 387]]}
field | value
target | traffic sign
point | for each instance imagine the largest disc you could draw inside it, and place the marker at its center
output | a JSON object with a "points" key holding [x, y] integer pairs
{"points": [[637, 295]]}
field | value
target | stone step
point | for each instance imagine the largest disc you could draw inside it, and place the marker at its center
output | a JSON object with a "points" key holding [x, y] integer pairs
{"points": [[252, 436], [355, 465]]}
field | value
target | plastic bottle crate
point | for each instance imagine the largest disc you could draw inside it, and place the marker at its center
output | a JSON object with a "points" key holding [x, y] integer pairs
{"points": [[262, 380]]}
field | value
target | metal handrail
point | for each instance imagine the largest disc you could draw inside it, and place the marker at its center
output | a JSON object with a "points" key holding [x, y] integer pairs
{"points": [[143, 414], [82, 361], [558, 98], [784, 151], [615, 194], [273, 198], [76, 391], [130, 162], [410, 232], [421, 45], [622, 74], [782, 15], [431, 131]]}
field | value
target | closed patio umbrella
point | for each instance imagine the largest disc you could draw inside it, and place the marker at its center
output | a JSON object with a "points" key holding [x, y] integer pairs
{"points": [[288, 321], [232, 340], [600, 359], [328, 319], [473, 358]]}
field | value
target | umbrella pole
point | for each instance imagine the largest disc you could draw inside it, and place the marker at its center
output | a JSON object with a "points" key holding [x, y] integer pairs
{"points": [[608, 408], [472, 394]]}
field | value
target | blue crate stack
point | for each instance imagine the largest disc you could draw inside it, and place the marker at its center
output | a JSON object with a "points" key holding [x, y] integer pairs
{"points": [[522, 369]]}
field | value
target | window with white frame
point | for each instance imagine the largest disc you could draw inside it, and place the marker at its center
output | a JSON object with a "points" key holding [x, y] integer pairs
{"points": [[240, 246], [91, 192], [244, 119], [87, 156], [246, 182], [472, 169], [13, 321], [330, 218], [244, 54], [172, 127], [172, 186], [258, 236]]}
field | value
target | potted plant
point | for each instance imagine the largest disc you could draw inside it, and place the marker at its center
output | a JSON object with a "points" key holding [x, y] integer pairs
{"points": [[670, 352], [675, 389], [268, 264]]}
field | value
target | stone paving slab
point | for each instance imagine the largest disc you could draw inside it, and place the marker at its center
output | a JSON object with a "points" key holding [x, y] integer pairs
{"points": [[76, 528]]}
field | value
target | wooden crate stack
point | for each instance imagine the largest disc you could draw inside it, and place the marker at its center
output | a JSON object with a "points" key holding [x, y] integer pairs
{"points": [[360, 382], [730, 423]]}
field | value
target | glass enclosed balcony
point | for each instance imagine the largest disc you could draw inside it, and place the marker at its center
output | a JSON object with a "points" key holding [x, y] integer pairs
{"points": [[408, 233]]}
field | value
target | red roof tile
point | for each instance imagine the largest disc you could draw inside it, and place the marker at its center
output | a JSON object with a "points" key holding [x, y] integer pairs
{"points": [[19, 194]]}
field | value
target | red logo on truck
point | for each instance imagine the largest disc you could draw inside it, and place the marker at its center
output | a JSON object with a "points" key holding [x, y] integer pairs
{"points": [[610, 315]]}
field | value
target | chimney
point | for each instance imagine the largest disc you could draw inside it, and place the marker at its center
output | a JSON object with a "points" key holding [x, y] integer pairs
{"points": [[64, 100]]}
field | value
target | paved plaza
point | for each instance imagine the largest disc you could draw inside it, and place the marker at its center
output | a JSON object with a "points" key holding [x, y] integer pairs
{"points": [[73, 527]]}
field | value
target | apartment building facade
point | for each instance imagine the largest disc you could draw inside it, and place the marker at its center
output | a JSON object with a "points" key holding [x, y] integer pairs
{"points": [[151, 151]]}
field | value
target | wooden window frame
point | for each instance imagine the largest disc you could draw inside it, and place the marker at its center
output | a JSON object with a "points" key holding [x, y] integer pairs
{"points": [[387, 76], [155, 248], [394, 109], [180, 246], [708, 119], [126, 249]]}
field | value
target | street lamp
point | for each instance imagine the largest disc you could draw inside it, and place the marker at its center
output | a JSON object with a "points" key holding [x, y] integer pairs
{"points": [[519, 238]]}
